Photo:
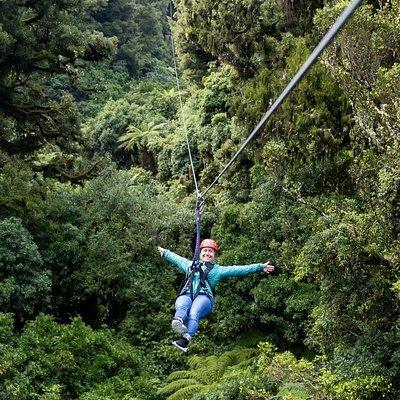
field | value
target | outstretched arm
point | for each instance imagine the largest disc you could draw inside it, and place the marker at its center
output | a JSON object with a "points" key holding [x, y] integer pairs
{"points": [[244, 270], [180, 262]]}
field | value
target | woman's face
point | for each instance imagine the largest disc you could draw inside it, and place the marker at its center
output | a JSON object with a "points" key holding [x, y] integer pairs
{"points": [[207, 254]]}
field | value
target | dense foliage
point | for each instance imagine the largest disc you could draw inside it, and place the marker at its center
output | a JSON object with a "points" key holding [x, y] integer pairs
{"points": [[94, 174]]}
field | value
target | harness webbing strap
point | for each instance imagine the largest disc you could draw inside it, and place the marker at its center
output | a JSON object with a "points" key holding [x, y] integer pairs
{"points": [[203, 269], [197, 214]]}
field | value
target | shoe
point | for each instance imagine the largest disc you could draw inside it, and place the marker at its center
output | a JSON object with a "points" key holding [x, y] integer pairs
{"points": [[181, 344], [178, 326]]}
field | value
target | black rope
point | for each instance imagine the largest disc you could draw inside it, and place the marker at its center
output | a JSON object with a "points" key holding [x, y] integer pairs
{"points": [[346, 14]]}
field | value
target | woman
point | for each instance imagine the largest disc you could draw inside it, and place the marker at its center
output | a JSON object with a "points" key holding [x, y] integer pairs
{"points": [[196, 299]]}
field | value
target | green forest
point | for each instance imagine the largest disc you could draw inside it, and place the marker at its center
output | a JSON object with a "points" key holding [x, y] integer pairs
{"points": [[95, 174]]}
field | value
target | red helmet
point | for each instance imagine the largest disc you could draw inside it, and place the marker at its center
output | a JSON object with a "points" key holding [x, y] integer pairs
{"points": [[209, 243]]}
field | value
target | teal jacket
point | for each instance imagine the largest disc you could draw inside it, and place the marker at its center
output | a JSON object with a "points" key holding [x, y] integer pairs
{"points": [[216, 274]]}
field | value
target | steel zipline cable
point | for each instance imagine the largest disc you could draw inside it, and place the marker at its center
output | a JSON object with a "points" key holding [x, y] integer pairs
{"points": [[346, 14]]}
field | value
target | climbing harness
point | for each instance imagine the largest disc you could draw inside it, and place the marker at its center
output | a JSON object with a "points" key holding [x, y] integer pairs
{"points": [[203, 268], [201, 197], [196, 264]]}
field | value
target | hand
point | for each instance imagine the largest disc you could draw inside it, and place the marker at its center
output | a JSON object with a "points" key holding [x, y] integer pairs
{"points": [[161, 250], [268, 268]]}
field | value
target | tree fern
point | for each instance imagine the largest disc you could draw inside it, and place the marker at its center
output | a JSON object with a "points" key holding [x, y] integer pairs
{"points": [[176, 375], [239, 357], [205, 373], [175, 386], [251, 339], [132, 136], [185, 392], [143, 136]]}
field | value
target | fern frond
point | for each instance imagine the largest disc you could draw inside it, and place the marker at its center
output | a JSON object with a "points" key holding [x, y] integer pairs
{"points": [[203, 375], [132, 136], [237, 356], [184, 374], [207, 372], [153, 127], [176, 386], [251, 339], [240, 354], [185, 393], [196, 361], [248, 362]]}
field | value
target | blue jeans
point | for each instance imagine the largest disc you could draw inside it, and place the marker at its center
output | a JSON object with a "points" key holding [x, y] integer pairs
{"points": [[192, 311]]}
